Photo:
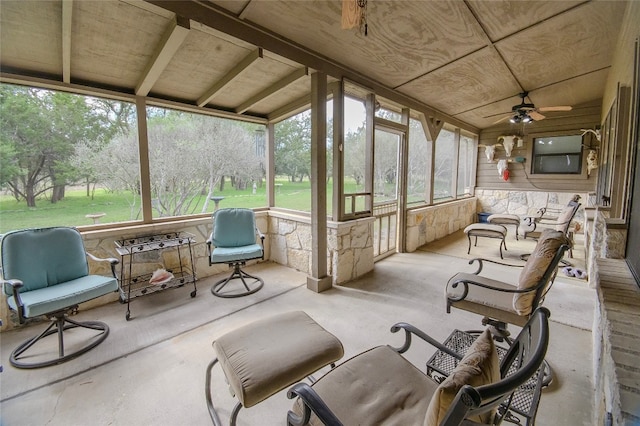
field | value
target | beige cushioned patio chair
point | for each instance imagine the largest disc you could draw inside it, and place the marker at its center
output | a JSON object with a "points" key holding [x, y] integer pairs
{"points": [[532, 227], [502, 303], [380, 386]]}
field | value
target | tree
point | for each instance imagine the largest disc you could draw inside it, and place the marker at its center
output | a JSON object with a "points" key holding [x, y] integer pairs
{"points": [[293, 147], [41, 129], [354, 155], [188, 156], [114, 118], [419, 160]]}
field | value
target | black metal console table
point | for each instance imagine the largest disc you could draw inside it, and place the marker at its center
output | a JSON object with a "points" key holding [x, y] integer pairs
{"points": [[132, 286]]}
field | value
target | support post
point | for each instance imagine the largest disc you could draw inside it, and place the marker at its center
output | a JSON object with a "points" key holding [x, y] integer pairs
{"points": [[319, 281]]}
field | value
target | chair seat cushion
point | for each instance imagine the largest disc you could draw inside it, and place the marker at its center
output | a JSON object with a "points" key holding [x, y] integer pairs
{"points": [[486, 302], [233, 254], [263, 357], [485, 230], [501, 219], [60, 296], [376, 387]]}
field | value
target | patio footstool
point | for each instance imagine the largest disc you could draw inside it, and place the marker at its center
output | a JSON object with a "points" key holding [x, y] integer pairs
{"points": [[505, 219], [486, 230], [266, 356]]}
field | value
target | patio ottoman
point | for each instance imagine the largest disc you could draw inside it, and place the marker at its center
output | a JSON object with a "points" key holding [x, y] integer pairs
{"points": [[486, 230], [269, 355], [505, 219]]}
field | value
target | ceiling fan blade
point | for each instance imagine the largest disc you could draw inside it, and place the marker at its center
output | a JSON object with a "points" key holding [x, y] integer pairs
{"points": [[555, 108], [536, 115], [506, 117]]}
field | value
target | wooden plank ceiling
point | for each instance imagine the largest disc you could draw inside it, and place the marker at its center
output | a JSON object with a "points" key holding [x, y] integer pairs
{"points": [[467, 60]]}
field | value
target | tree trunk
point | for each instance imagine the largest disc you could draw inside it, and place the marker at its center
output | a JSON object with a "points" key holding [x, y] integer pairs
{"points": [[222, 180], [57, 193], [30, 196]]}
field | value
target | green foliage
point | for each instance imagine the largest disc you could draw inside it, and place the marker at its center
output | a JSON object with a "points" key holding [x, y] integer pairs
{"points": [[293, 147], [41, 129]]}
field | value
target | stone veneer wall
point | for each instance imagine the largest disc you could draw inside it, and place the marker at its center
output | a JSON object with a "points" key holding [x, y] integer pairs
{"points": [[101, 243], [287, 242], [426, 224], [349, 245], [616, 346], [524, 203], [603, 242]]}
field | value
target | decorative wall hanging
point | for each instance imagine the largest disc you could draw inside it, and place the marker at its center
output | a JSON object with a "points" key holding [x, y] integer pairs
{"points": [[592, 161], [489, 152], [596, 132], [509, 142], [503, 169]]}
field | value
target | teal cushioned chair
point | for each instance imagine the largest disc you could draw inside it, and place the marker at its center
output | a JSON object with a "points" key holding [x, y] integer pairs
{"points": [[45, 273], [233, 241]]}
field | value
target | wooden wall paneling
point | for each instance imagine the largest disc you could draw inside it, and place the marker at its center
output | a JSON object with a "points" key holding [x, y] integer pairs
{"points": [[581, 117]]}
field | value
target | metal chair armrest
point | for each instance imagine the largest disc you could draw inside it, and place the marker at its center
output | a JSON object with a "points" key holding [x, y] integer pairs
{"points": [[312, 402], [209, 243], [112, 261], [261, 235], [481, 260], [16, 285], [412, 330]]}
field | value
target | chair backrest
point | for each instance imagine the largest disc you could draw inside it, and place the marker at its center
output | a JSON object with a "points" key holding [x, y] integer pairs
{"points": [[234, 227], [42, 257], [520, 364], [539, 270], [563, 222]]}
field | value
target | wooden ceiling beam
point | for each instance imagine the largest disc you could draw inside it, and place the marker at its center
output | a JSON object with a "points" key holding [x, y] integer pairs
{"points": [[271, 90], [168, 46], [207, 13], [292, 108], [67, 20], [432, 125], [230, 76]]}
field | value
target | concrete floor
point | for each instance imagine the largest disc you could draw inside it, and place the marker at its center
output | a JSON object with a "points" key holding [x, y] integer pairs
{"points": [[151, 370]]}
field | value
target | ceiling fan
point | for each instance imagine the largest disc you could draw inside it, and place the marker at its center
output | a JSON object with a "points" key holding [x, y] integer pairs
{"points": [[526, 112]]}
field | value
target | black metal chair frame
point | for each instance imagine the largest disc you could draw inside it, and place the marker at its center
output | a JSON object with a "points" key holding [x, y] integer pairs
{"points": [[540, 289], [519, 365], [499, 326], [550, 222], [238, 273]]}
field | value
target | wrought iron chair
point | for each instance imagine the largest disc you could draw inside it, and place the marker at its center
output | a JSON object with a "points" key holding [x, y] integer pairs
{"points": [[561, 223], [380, 386], [45, 272], [502, 303], [233, 241]]}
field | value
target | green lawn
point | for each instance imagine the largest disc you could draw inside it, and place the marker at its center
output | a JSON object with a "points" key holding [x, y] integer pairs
{"points": [[72, 210]]}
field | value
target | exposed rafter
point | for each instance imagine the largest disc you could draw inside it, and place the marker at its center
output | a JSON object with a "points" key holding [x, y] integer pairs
{"points": [[271, 90], [168, 46], [230, 76], [67, 20], [291, 108]]}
